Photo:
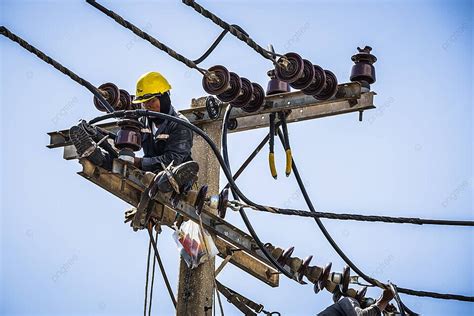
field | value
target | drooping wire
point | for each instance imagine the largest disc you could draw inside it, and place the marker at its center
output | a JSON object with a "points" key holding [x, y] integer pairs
{"points": [[349, 262], [5, 32], [152, 279], [215, 43], [233, 185], [237, 32], [236, 196], [146, 279], [162, 268]]}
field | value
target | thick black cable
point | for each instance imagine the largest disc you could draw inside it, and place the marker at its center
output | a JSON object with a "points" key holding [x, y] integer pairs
{"points": [[211, 48], [214, 45], [228, 175], [162, 268], [152, 280], [5, 32], [314, 213], [349, 262], [232, 29], [146, 279], [144, 35], [367, 218], [237, 195]]}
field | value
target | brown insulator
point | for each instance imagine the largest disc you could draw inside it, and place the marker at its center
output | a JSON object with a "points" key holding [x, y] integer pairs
{"points": [[216, 81], [318, 83], [346, 277], [111, 94], [129, 135], [125, 102], [234, 90], [245, 95], [129, 138], [323, 279], [258, 97], [289, 68], [303, 268], [363, 70], [330, 88], [275, 85], [306, 78]]}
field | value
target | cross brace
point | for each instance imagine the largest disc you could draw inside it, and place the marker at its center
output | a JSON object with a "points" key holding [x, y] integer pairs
{"points": [[300, 107]]}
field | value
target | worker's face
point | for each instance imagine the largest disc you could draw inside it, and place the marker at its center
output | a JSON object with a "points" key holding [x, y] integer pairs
{"points": [[152, 105]]}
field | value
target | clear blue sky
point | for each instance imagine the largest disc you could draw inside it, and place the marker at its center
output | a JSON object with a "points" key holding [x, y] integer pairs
{"points": [[64, 247]]}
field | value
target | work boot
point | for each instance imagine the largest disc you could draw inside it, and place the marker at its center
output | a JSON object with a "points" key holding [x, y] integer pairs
{"points": [[86, 147], [178, 179], [183, 177], [98, 137]]}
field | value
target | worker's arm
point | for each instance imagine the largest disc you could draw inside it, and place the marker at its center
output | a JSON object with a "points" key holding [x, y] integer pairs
{"points": [[377, 308], [351, 307], [178, 147]]}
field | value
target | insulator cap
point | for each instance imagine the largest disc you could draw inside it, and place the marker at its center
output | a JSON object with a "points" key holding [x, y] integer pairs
{"points": [[363, 70], [275, 85]]}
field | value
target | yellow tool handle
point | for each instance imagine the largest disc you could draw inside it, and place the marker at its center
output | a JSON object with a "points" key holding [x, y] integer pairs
{"points": [[271, 162], [288, 162]]}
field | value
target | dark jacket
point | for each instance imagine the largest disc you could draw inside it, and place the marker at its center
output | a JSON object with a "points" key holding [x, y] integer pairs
{"points": [[172, 142]]}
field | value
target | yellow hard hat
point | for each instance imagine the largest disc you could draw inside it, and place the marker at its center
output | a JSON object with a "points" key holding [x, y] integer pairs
{"points": [[150, 85]]}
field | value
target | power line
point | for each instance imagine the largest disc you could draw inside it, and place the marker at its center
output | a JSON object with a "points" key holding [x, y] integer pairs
{"points": [[5, 32], [234, 186], [363, 218], [162, 268], [349, 262]]}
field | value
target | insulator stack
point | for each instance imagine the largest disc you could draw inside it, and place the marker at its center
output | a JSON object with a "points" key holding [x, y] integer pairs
{"points": [[119, 99], [290, 70], [301, 74], [322, 278], [229, 87]]}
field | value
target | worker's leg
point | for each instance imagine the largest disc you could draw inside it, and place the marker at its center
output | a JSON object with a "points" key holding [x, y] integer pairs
{"points": [[86, 146], [180, 178]]}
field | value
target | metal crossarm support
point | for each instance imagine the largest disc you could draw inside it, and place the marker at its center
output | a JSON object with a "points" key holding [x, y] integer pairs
{"points": [[228, 238], [301, 107]]}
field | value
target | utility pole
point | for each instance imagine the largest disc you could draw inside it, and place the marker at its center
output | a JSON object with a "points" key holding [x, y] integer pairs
{"points": [[195, 287]]}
